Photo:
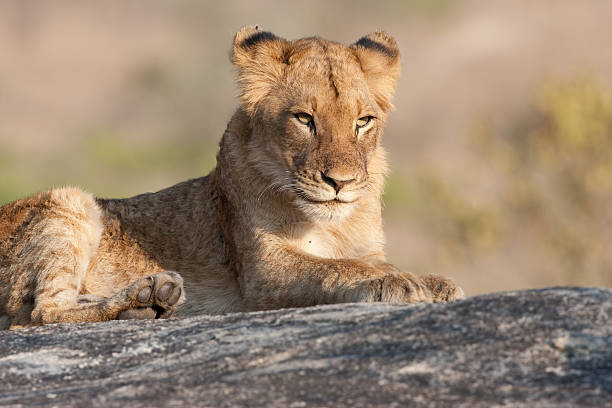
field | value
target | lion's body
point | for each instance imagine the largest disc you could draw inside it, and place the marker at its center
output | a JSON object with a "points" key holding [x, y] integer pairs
{"points": [[291, 215]]}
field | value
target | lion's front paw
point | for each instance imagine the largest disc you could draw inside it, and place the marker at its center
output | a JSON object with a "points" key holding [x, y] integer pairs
{"points": [[156, 296], [442, 289], [395, 288]]}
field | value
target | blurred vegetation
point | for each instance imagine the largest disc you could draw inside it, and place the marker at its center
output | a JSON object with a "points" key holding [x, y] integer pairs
{"points": [[445, 211], [107, 165], [561, 168], [553, 186]]}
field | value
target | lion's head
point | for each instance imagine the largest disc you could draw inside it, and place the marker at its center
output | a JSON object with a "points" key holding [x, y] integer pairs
{"points": [[317, 110]]}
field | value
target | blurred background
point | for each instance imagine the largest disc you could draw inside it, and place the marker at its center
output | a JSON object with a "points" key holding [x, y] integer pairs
{"points": [[500, 145]]}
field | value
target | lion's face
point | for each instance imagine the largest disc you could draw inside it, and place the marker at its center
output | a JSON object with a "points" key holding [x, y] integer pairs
{"points": [[317, 111]]}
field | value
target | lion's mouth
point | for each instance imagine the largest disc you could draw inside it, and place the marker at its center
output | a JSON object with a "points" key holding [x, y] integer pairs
{"points": [[334, 201], [324, 197], [324, 206]]}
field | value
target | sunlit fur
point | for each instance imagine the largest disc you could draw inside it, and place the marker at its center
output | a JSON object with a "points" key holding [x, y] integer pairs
{"points": [[290, 216]]}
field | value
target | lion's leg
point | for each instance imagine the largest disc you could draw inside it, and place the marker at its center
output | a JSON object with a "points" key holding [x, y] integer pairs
{"points": [[49, 258], [308, 280], [50, 253], [157, 295]]}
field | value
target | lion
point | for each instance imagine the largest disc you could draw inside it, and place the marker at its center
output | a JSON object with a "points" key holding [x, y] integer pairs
{"points": [[289, 217]]}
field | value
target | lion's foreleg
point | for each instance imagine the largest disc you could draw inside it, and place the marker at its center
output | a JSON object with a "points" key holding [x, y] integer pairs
{"points": [[285, 278]]}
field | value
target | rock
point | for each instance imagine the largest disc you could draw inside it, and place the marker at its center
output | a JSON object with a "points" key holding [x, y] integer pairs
{"points": [[548, 347]]}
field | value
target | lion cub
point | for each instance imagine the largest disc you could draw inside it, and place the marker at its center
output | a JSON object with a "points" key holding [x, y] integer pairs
{"points": [[291, 215]]}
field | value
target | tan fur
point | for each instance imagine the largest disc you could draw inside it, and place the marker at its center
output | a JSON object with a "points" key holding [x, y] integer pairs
{"points": [[291, 215]]}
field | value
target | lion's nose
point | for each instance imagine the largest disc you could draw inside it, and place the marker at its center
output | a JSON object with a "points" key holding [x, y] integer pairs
{"points": [[337, 181]]}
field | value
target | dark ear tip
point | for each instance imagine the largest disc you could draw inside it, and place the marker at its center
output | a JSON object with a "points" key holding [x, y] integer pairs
{"points": [[383, 37], [379, 41], [250, 36], [246, 32]]}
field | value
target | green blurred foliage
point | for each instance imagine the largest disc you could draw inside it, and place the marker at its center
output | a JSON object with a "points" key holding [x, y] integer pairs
{"points": [[459, 224], [555, 173], [552, 188], [108, 165]]}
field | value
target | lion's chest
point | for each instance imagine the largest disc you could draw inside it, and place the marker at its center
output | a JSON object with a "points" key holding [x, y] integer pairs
{"points": [[325, 244], [317, 244]]}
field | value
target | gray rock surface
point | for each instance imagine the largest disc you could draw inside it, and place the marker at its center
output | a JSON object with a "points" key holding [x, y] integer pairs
{"points": [[549, 347]]}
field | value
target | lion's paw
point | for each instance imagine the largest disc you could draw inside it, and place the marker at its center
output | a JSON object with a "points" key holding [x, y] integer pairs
{"points": [[395, 288], [443, 289], [156, 296]]}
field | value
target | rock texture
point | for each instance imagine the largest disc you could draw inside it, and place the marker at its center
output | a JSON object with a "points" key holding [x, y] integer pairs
{"points": [[549, 347]]}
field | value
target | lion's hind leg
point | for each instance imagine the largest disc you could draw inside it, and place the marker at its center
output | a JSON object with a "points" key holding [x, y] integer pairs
{"points": [[49, 256], [156, 296]]}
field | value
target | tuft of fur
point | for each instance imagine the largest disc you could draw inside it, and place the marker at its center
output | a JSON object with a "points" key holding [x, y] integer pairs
{"points": [[291, 215]]}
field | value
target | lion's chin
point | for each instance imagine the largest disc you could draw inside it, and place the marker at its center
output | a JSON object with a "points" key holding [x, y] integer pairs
{"points": [[326, 211]]}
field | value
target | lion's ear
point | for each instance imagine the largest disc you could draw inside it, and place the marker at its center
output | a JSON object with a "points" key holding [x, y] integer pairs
{"points": [[379, 56], [260, 58]]}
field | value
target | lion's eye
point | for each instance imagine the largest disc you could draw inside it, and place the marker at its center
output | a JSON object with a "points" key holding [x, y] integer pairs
{"points": [[304, 118], [361, 122]]}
